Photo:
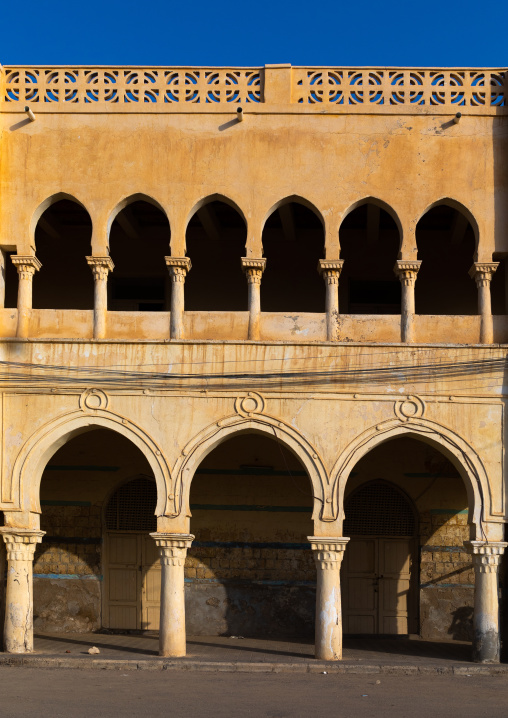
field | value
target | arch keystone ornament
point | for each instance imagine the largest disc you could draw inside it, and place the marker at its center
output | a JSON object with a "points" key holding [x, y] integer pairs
{"points": [[93, 400], [412, 407], [251, 404]]}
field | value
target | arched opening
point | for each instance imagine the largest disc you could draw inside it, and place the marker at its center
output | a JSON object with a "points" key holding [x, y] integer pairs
{"points": [[62, 243], [446, 245], [97, 499], [369, 240], [250, 571], [406, 569], [293, 243], [139, 240], [216, 237]]}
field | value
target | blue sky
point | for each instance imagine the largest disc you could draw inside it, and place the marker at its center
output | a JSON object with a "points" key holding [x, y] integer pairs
{"points": [[319, 32]]}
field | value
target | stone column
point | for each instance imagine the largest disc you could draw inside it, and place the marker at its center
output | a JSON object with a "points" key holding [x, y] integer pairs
{"points": [[328, 554], [18, 627], [482, 273], [406, 272], [26, 266], [172, 551], [330, 271], [486, 560], [178, 268], [101, 267], [254, 269]]}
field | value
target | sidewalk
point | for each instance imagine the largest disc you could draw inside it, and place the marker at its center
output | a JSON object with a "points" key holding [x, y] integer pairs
{"points": [[403, 656]]}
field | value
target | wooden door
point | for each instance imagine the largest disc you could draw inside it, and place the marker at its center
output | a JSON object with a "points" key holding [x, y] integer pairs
{"points": [[151, 585], [376, 583], [123, 581], [132, 582]]}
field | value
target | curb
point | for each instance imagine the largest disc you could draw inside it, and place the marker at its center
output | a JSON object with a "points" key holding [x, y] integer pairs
{"points": [[163, 664]]}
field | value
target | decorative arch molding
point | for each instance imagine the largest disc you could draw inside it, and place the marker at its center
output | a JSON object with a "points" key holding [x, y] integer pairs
{"points": [[454, 204], [378, 203], [43, 444], [458, 451], [137, 197], [298, 199], [46, 204], [215, 198], [209, 438]]}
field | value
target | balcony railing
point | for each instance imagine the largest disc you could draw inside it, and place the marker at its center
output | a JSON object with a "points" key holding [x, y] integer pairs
{"points": [[141, 89]]}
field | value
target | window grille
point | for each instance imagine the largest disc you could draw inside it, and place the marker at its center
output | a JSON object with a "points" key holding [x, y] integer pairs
{"points": [[378, 509], [132, 507]]}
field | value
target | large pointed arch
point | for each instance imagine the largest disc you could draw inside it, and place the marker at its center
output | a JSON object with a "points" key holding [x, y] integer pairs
{"points": [[44, 443], [297, 199], [217, 197], [53, 199], [213, 435], [455, 204], [378, 203], [130, 199], [457, 450]]}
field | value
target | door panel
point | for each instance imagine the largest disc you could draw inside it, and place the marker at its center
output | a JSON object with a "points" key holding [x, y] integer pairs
{"points": [[123, 580], [376, 585], [151, 592]]}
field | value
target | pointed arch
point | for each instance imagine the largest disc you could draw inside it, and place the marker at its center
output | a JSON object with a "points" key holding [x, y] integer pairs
{"points": [[457, 450], [459, 207], [297, 199], [136, 197], [378, 203], [53, 199], [209, 438], [215, 198], [44, 443]]}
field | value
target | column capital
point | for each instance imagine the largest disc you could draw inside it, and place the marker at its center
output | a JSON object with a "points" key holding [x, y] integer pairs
{"points": [[482, 272], [26, 265], [21, 543], [178, 268], [407, 270], [253, 269], [172, 547], [328, 551], [100, 266], [330, 269], [486, 555]]}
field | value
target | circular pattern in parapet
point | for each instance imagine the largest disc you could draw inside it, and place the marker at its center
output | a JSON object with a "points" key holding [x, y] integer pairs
{"points": [[93, 400], [412, 407], [250, 404]]}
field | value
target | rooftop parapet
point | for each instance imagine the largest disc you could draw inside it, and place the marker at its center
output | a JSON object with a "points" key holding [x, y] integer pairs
{"points": [[347, 90]]}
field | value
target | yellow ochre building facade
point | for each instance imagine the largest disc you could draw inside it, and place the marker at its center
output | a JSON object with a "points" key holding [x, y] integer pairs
{"points": [[253, 335]]}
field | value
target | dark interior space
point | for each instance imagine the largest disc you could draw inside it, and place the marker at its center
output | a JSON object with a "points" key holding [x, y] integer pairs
{"points": [[369, 240], [446, 245], [139, 241], [62, 243], [216, 238], [293, 244]]}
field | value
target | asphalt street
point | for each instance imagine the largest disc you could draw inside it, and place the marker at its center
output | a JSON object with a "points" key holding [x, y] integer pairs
{"points": [[60, 693]]}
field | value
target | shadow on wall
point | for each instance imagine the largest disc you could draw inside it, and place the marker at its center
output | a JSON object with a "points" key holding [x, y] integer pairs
{"points": [[461, 628]]}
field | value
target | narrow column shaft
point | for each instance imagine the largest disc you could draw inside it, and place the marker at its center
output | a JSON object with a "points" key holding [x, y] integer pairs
{"points": [[172, 550], [254, 269], [18, 627], [178, 268], [100, 266], [482, 273], [328, 553], [330, 271], [26, 266], [407, 272], [486, 560]]}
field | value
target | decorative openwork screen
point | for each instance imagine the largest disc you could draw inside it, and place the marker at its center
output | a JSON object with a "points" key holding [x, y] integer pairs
{"points": [[132, 507], [392, 87], [124, 86], [378, 509]]}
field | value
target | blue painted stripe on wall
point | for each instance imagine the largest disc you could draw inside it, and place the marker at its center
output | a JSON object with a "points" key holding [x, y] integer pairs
{"points": [[449, 511], [247, 544], [447, 585], [249, 507], [59, 576]]}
